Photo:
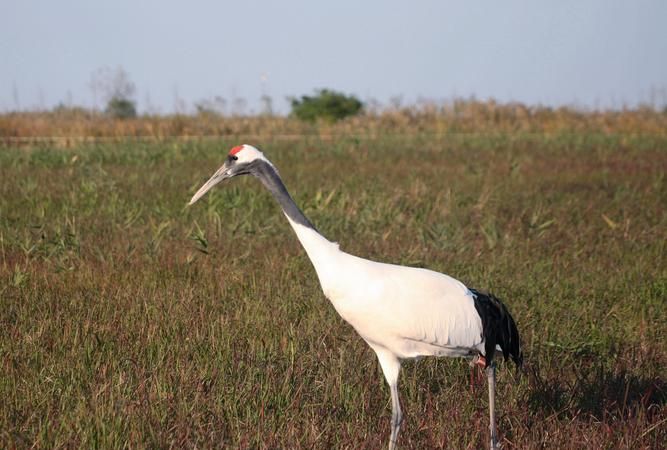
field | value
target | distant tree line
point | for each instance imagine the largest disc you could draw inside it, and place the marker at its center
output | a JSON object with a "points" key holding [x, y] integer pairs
{"points": [[117, 91]]}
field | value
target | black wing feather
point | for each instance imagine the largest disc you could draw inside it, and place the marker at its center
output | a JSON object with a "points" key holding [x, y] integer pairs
{"points": [[498, 328]]}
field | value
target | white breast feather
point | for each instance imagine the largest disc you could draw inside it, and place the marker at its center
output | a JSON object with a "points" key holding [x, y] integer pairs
{"points": [[409, 311]]}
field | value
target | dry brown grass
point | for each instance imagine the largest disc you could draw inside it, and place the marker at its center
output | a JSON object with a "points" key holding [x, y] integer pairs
{"points": [[71, 127], [130, 321]]}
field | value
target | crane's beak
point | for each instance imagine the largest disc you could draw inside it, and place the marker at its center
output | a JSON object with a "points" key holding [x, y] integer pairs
{"points": [[221, 174]]}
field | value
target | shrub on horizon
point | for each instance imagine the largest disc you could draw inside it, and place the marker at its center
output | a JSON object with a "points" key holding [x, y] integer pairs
{"points": [[327, 105], [121, 108]]}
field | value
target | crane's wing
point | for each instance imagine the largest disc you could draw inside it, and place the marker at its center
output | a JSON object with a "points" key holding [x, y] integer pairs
{"points": [[410, 311]]}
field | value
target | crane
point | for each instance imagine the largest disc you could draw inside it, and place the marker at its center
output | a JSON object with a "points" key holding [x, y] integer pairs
{"points": [[401, 312]]}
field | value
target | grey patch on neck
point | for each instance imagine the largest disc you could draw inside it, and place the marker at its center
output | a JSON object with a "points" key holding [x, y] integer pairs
{"points": [[269, 177]]}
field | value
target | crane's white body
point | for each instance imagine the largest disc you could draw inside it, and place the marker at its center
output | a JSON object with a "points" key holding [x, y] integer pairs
{"points": [[406, 311], [401, 312]]}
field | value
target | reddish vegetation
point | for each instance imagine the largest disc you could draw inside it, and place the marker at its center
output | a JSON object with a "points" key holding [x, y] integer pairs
{"points": [[128, 320], [71, 126]]}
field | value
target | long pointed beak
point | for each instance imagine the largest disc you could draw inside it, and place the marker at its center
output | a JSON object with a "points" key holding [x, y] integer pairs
{"points": [[221, 174]]}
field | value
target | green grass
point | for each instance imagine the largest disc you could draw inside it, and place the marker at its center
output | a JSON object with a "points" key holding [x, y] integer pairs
{"points": [[130, 320]]}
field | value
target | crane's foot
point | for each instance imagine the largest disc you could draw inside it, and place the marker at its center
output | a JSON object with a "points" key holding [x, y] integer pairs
{"points": [[495, 445], [478, 360], [476, 376]]}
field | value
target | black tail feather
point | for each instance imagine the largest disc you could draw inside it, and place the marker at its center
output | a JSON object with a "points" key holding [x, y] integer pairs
{"points": [[498, 328]]}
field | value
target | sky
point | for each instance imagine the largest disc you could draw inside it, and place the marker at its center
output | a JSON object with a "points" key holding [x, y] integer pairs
{"points": [[593, 54]]}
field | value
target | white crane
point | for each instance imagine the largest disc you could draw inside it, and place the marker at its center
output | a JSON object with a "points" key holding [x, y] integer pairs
{"points": [[401, 312]]}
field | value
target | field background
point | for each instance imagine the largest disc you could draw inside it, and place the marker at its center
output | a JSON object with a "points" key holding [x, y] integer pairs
{"points": [[128, 320]]}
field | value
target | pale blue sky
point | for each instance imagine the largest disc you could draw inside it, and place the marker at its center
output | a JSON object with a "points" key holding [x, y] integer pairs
{"points": [[588, 53]]}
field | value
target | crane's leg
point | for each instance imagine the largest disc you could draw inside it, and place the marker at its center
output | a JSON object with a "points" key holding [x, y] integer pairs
{"points": [[390, 367], [491, 375], [476, 375], [396, 416]]}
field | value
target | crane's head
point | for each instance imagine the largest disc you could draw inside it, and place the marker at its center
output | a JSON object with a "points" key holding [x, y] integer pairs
{"points": [[241, 160]]}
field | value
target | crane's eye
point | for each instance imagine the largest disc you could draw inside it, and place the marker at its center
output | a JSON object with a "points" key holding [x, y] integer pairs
{"points": [[234, 157]]}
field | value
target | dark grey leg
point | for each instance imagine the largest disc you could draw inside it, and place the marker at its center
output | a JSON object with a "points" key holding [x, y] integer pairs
{"points": [[396, 416], [491, 375]]}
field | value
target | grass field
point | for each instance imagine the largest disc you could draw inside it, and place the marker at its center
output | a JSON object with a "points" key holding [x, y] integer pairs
{"points": [[128, 320]]}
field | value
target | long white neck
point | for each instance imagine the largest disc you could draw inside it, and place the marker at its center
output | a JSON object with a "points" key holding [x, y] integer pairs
{"points": [[322, 252]]}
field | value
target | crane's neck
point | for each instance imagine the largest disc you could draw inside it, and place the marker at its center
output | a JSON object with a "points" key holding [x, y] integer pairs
{"points": [[318, 248], [271, 180]]}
